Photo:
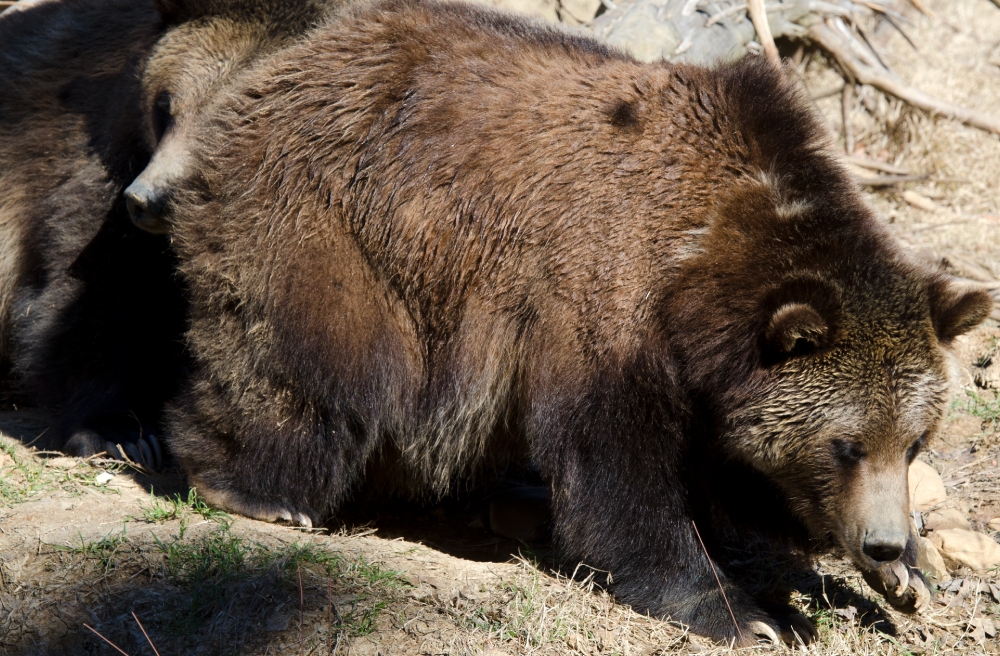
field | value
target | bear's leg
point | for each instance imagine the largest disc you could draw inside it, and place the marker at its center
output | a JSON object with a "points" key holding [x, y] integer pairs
{"points": [[264, 457], [615, 456]]}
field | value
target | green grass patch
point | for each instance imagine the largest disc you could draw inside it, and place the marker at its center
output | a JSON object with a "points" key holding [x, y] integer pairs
{"points": [[218, 572], [983, 407], [23, 476], [220, 563], [108, 552], [168, 508]]}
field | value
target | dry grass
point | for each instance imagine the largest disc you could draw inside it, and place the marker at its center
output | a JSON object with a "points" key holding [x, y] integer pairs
{"points": [[958, 60]]}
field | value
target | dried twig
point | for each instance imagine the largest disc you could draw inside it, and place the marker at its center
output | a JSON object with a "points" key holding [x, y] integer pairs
{"points": [[759, 18], [143, 629], [846, 105], [711, 566], [888, 180], [98, 633], [874, 165], [826, 93], [864, 73]]}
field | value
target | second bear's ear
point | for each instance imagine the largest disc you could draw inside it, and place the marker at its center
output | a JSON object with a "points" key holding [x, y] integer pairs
{"points": [[172, 12], [796, 329], [957, 308]]}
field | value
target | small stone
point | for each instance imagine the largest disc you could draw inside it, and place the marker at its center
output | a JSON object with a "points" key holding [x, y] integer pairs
{"points": [[547, 9], [103, 478], [943, 518], [578, 11], [929, 561], [966, 548], [926, 487]]}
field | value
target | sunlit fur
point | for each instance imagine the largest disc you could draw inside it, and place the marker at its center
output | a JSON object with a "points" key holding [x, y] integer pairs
{"points": [[444, 238]]}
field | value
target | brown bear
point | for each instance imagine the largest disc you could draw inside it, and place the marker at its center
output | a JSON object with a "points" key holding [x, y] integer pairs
{"points": [[439, 238], [91, 313]]}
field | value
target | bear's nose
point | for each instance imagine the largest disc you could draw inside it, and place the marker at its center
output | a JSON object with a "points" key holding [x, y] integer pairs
{"points": [[145, 207], [884, 548], [142, 202]]}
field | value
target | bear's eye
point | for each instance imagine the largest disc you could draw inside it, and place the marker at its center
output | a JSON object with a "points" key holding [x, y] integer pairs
{"points": [[848, 453], [162, 118], [916, 448]]}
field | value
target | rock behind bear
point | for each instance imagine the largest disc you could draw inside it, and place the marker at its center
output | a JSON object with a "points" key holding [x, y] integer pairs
{"points": [[433, 239]]}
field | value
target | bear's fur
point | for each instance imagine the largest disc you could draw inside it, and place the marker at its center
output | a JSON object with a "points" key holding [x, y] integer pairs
{"points": [[444, 238], [91, 313], [89, 308]]}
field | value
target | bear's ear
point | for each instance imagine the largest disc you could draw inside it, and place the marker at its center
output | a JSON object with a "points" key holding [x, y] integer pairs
{"points": [[796, 329], [173, 12], [957, 308]]}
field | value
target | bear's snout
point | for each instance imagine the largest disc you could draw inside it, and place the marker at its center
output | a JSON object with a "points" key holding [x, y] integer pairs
{"points": [[884, 544], [149, 196], [878, 524], [144, 204]]}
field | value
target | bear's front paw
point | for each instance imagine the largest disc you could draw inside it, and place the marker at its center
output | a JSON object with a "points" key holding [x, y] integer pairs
{"points": [[241, 503], [902, 586], [792, 629]]}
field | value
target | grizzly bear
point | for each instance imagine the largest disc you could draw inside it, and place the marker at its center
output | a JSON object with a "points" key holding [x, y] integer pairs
{"points": [[441, 239], [91, 312]]}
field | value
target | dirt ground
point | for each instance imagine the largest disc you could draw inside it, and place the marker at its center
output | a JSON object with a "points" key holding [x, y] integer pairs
{"points": [[90, 548]]}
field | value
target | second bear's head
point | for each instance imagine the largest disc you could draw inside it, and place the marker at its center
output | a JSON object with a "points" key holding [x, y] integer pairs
{"points": [[205, 46]]}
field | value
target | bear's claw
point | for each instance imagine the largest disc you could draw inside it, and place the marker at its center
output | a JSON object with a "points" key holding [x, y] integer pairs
{"points": [[795, 629], [901, 585], [145, 453], [765, 630], [800, 630]]}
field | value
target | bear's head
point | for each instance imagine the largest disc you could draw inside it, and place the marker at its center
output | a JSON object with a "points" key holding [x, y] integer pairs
{"points": [[829, 359], [206, 44]]}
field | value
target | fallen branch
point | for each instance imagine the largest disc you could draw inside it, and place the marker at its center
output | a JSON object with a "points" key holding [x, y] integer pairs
{"points": [[826, 93], [885, 81], [888, 180], [874, 165], [846, 105], [758, 16]]}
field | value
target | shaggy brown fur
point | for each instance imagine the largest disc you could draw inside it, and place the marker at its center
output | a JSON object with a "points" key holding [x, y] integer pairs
{"points": [[444, 237], [90, 311]]}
